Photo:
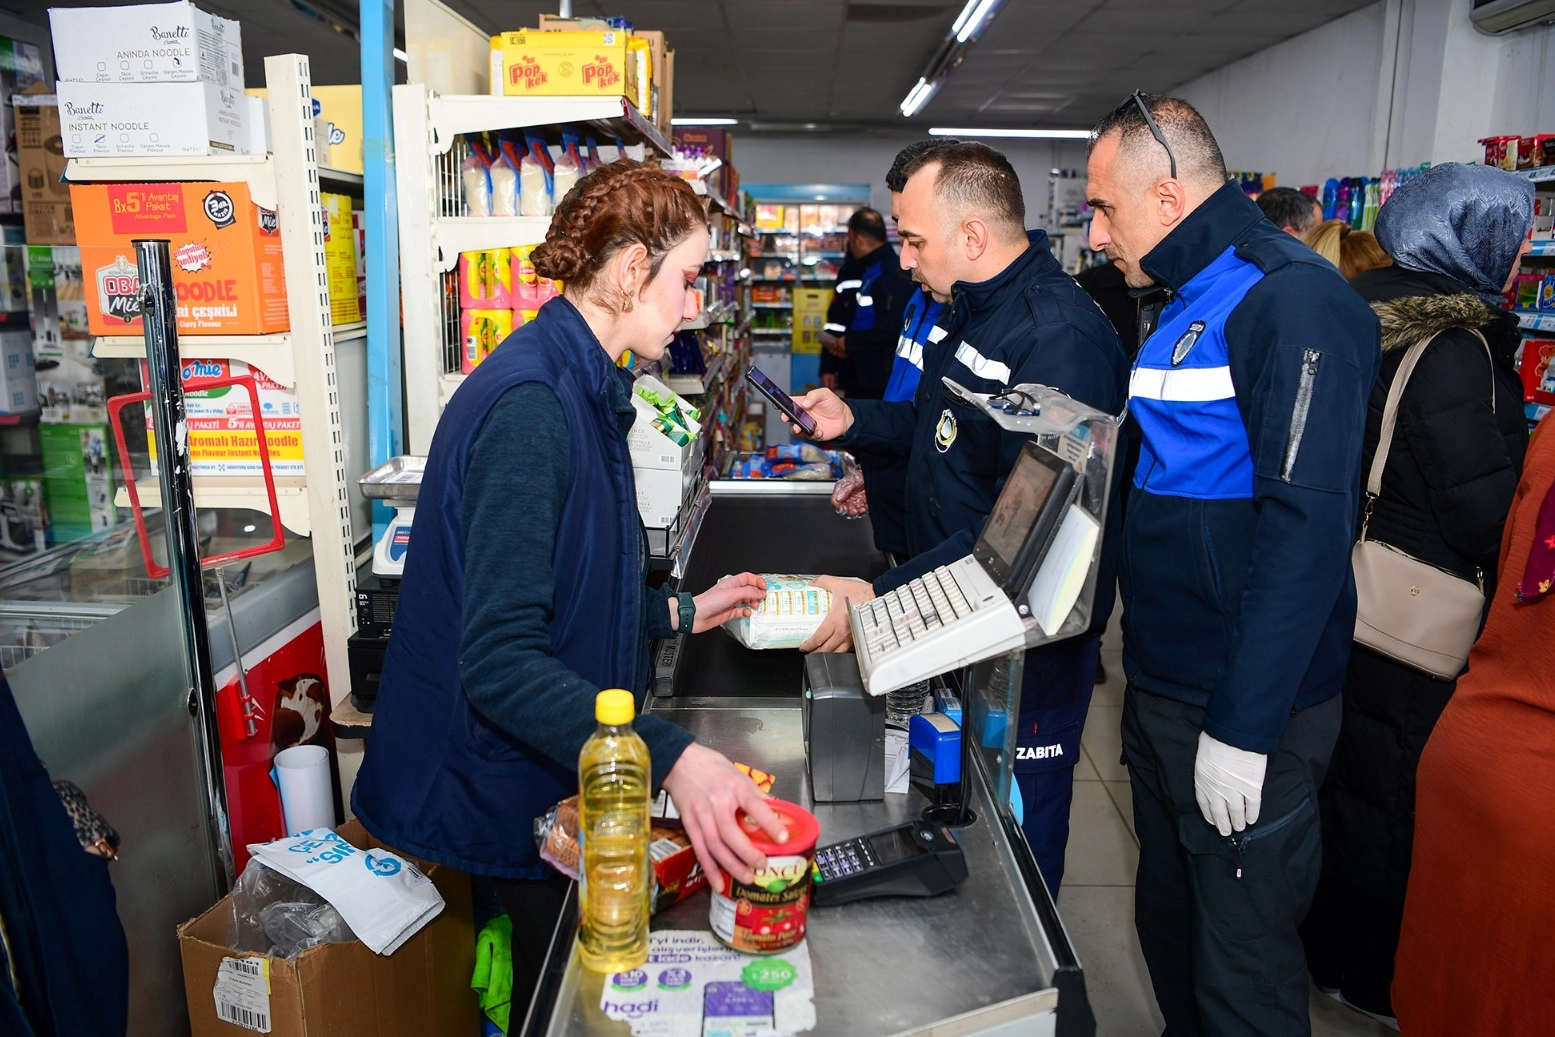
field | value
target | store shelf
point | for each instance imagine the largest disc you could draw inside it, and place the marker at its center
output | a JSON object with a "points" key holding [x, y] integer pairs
{"points": [[610, 117], [452, 235], [256, 171], [772, 305], [769, 332], [721, 314], [697, 384], [234, 491], [272, 354], [723, 257], [1531, 320], [1539, 174]]}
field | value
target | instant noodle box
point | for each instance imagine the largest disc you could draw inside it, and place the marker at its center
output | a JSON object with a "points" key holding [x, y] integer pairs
{"points": [[227, 268]]}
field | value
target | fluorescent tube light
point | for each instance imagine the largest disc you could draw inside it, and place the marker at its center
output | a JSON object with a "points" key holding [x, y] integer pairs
{"points": [[400, 55], [963, 131], [966, 12], [974, 24], [917, 97], [697, 120]]}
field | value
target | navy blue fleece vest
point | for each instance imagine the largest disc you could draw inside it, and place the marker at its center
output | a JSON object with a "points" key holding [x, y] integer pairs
{"points": [[438, 780]]}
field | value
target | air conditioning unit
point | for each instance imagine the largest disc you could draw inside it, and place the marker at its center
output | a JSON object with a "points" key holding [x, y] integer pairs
{"points": [[1494, 17]]}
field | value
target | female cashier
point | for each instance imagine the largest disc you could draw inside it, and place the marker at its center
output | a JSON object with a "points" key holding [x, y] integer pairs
{"points": [[524, 592]]}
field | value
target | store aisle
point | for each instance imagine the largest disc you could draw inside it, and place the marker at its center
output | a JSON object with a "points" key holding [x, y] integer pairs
{"points": [[1097, 900]]}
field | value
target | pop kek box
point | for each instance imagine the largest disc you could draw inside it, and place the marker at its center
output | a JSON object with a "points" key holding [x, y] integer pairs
{"points": [[227, 268]]}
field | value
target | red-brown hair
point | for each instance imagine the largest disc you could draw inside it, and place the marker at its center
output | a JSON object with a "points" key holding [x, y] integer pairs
{"points": [[618, 205]]}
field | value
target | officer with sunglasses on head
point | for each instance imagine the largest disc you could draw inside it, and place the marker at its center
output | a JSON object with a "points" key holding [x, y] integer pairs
{"points": [[1250, 389]]}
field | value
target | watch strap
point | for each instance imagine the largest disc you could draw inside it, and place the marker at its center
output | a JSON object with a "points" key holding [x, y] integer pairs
{"points": [[687, 607]]}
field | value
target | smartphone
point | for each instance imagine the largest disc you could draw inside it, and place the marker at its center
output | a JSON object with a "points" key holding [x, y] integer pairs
{"points": [[735, 1010], [781, 400]]}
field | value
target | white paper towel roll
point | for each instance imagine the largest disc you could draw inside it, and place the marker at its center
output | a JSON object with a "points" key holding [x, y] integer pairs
{"points": [[302, 774]]}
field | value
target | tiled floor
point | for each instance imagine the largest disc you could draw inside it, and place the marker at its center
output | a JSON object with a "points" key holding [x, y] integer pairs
{"points": [[1097, 900]]}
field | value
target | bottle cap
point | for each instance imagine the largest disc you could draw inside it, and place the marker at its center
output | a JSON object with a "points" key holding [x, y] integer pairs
{"points": [[614, 707]]}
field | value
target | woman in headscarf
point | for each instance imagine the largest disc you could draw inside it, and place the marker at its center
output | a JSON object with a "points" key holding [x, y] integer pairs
{"points": [[1457, 235], [1475, 955]]}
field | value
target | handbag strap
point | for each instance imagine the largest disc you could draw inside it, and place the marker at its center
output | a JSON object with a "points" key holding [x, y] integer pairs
{"points": [[1379, 461]]}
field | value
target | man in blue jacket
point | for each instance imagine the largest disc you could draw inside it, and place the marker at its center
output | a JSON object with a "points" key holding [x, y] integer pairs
{"points": [[1014, 316], [1238, 598]]}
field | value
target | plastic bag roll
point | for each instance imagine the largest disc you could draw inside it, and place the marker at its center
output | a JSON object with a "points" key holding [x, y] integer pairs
{"points": [[307, 799]]}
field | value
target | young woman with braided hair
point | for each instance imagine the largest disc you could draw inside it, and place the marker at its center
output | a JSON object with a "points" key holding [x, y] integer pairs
{"points": [[525, 592]]}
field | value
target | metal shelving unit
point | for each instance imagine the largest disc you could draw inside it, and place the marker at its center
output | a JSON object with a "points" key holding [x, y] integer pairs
{"points": [[304, 357]]}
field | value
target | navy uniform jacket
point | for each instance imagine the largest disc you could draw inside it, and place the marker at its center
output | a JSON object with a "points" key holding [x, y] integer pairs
{"points": [[1251, 395], [1030, 323]]}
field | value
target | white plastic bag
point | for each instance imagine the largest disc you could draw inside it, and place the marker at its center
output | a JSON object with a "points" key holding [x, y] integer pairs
{"points": [[384, 898], [786, 617]]}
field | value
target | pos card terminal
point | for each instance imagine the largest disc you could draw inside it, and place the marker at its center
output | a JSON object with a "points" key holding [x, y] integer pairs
{"points": [[917, 859]]}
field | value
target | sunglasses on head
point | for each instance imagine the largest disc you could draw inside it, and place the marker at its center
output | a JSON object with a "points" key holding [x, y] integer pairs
{"points": [[1155, 131]]}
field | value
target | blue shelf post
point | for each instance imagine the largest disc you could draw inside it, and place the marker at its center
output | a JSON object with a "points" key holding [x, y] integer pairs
{"points": [[385, 411]]}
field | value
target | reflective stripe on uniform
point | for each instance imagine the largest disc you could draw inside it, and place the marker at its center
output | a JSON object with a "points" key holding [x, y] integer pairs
{"points": [[1182, 385], [981, 366], [848, 286]]}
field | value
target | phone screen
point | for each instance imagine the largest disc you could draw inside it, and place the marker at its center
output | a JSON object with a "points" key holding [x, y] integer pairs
{"points": [[781, 400]]}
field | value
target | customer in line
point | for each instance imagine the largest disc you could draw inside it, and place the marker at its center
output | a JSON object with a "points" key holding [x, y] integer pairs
{"points": [[1475, 955], [1294, 212], [1238, 597], [1352, 251], [1014, 317], [1458, 233], [524, 591]]}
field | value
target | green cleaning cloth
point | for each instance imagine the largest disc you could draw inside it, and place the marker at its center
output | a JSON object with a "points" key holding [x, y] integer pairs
{"points": [[493, 978]]}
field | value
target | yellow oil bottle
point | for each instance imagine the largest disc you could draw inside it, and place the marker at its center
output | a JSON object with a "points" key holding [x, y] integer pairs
{"points": [[614, 775]]}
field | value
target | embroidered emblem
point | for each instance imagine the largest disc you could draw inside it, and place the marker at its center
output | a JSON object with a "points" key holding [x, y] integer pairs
{"points": [[945, 431], [1185, 344]]}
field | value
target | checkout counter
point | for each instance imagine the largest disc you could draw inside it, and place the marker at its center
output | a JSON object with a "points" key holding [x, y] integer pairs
{"points": [[989, 958]]}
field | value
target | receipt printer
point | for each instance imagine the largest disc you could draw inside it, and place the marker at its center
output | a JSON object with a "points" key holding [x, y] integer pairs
{"points": [[844, 731]]}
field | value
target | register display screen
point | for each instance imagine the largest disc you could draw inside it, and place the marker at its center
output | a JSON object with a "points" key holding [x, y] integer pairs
{"points": [[895, 845], [1025, 494]]}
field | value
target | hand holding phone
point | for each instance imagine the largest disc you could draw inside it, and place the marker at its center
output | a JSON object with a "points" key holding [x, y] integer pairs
{"points": [[781, 400]]}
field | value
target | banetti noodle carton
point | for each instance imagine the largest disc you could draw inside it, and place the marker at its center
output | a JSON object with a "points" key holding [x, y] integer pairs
{"points": [[227, 268]]}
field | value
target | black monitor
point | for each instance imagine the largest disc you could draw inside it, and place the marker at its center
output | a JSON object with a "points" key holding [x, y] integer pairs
{"points": [[1024, 519]]}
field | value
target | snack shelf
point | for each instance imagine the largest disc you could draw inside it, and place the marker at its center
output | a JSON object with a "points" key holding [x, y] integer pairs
{"points": [[257, 171], [1543, 248], [1539, 174], [697, 384], [1531, 320], [720, 314], [234, 491], [611, 117], [452, 235], [272, 354]]}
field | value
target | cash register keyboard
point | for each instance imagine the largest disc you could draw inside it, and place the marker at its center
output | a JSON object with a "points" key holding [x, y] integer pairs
{"points": [[943, 620]]}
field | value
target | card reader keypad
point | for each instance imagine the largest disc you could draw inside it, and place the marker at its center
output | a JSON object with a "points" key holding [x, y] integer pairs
{"points": [[843, 859]]}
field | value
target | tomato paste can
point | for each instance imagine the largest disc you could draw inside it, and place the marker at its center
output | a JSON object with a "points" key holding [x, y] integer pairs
{"points": [[768, 914]]}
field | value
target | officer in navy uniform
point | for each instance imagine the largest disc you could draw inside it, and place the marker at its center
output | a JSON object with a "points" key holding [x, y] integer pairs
{"points": [[1238, 596], [1014, 317]]}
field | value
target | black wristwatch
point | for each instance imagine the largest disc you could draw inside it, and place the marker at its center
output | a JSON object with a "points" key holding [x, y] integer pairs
{"points": [[688, 611]]}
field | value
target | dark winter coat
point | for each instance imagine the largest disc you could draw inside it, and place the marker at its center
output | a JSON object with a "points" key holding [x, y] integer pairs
{"points": [[1449, 481]]}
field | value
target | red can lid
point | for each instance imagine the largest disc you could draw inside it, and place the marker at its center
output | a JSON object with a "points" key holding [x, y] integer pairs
{"points": [[803, 830]]}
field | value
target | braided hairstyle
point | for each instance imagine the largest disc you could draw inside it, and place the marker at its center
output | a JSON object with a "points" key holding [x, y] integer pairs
{"points": [[618, 205]]}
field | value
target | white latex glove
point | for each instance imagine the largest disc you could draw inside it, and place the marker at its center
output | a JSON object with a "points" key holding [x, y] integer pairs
{"points": [[1228, 783]]}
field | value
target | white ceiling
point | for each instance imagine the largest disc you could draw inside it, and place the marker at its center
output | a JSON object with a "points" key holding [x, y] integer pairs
{"points": [[847, 64]]}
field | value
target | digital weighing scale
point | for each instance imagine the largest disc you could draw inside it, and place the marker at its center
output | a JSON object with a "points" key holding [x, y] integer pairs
{"points": [[396, 482]]}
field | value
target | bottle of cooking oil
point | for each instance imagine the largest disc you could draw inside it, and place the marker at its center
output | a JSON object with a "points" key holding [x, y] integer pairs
{"points": [[613, 877]]}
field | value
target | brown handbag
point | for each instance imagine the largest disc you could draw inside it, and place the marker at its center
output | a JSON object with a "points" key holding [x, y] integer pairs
{"points": [[1412, 611]]}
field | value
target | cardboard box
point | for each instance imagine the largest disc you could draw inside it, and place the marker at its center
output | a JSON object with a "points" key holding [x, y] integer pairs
{"points": [[661, 69], [119, 120], [337, 140], [78, 479], [18, 374], [660, 492], [227, 266], [340, 260], [21, 69], [40, 155], [222, 440], [341, 989], [562, 64], [146, 43]]}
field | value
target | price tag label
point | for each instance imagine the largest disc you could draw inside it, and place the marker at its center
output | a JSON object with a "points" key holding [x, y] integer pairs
{"points": [[242, 993]]}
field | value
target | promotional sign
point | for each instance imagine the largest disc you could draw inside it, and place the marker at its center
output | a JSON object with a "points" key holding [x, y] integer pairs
{"points": [[810, 306]]}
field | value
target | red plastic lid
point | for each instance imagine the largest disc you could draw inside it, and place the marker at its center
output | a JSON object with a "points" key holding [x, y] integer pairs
{"points": [[803, 830]]}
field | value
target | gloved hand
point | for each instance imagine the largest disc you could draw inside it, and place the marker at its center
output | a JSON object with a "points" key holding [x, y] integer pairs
{"points": [[848, 498], [1228, 783]]}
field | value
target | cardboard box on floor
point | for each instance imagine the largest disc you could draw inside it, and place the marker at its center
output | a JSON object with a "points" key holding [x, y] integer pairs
{"points": [[344, 989]]}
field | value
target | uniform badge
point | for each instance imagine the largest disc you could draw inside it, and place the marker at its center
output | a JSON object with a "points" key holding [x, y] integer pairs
{"points": [[1185, 344], [945, 431]]}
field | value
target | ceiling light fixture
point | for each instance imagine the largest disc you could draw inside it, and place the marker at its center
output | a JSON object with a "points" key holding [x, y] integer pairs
{"points": [[698, 120], [970, 24], [962, 131]]}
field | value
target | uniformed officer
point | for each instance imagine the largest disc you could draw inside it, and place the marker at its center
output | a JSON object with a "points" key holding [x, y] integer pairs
{"points": [[1014, 316], [1238, 597]]}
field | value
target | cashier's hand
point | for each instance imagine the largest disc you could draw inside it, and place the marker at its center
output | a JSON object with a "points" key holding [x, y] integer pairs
{"points": [[711, 794], [834, 634], [729, 598], [832, 417]]}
